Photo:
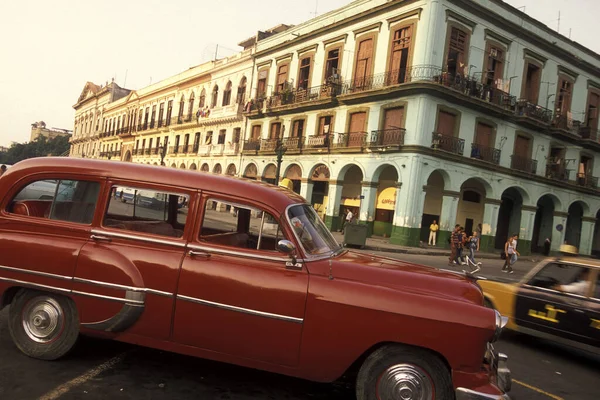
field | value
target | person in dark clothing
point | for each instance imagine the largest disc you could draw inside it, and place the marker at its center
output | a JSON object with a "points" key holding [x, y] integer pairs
{"points": [[452, 246]]}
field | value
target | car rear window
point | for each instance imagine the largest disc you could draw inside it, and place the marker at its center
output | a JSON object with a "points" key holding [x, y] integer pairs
{"points": [[145, 210], [58, 199]]}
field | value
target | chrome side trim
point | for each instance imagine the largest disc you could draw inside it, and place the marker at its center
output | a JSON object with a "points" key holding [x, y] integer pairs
{"points": [[140, 238], [468, 394], [553, 291], [239, 253], [124, 319], [39, 273], [111, 298], [241, 310], [35, 285], [122, 287]]}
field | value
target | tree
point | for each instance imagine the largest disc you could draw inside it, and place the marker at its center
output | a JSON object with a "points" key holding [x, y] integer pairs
{"points": [[41, 147]]}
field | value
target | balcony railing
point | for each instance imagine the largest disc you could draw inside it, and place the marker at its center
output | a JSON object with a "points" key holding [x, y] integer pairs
{"points": [[533, 111], [557, 171], [251, 145], [448, 143], [317, 142], [217, 149], [301, 95], [293, 143], [204, 149], [232, 148], [387, 137], [565, 123], [587, 181], [523, 164], [268, 145], [173, 149], [351, 140], [155, 151], [589, 133], [147, 151], [485, 153]]}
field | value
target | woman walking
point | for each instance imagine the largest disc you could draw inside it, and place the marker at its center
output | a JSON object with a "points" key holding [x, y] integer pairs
{"points": [[511, 253]]}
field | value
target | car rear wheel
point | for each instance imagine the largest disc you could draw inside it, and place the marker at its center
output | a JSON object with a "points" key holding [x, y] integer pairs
{"points": [[43, 325], [399, 372]]}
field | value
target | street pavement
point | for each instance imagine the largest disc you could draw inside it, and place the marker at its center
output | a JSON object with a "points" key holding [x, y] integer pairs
{"points": [[99, 369]]}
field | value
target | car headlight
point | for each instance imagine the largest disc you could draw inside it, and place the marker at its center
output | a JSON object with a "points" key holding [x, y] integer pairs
{"points": [[500, 324]]}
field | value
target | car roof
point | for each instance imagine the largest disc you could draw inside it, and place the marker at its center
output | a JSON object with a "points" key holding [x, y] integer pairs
{"points": [[276, 196], [587, 261]]}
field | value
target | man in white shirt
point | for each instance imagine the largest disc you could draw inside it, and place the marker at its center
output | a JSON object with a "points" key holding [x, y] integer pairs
{"points": [[579, 286]]}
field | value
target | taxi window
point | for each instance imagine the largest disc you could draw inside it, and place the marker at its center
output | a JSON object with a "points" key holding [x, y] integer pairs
{"points": [[147, 211], [555, 274], [596, 294], [63, 200], [240, 226]]}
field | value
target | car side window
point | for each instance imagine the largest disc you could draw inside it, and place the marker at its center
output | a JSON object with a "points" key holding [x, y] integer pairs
{"points": [[63, 200], [241, 226], [147, 211], [596, 293], [555, 274]]}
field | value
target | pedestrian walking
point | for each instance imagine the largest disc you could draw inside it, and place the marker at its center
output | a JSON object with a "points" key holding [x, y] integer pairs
{"points": [[452, 241], [473, 246], [433, 229], [347, 220], [460, 242], [510, 250]]}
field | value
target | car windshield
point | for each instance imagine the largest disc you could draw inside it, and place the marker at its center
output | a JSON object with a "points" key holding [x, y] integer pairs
{"points": [[311, 231]]}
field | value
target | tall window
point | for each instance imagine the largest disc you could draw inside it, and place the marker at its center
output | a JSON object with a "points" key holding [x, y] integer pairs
{"points": [[364, 62], [161, 112], [215, 96], [222, 134], [399, 54], [325, 125], [332, 64], [275, 130], [304, 75], [457, 50], [256, 132], [494, 66], [169, 112], [191, 107], [282, 76], [533, 77], [202, 98], [446, 123], [298, 128], [563, 96], [357, 122], [261, 89], [592, 111], [227, 94], [153, 118], [484, 135], [236, 135], [146, 118], [181, 105]]}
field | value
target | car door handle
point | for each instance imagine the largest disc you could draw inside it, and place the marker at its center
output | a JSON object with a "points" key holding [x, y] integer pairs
{"points": [[101, 238], [193, 253], [579, 311]]}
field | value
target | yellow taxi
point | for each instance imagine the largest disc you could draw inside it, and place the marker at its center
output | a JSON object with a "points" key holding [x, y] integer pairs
{"points": [[559, 300]]}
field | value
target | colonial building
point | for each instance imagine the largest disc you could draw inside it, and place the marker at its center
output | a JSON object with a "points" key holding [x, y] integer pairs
{"points": [[464, 111], [39, 129]]}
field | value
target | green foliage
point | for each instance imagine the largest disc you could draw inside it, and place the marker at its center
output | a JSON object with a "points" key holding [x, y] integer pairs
{"points": [[41, 147]]}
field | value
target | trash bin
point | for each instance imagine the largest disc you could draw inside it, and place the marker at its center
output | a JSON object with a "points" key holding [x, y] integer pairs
{"points": [[355, 235]]}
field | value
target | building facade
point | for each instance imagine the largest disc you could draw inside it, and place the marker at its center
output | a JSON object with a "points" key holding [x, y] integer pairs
{"points": [[462, 111], [39, 129]]}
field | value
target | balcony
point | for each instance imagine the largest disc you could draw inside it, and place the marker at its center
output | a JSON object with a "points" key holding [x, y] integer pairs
{"points": [[268, 145], [447, 143], [204, 149], [589, 133], [155, 151], [533, 111], [302, 95], [555, 169], [251, 146], [587, 181], [293, 144], [147, 152], [566, 124], [317, 142], [485, 153], [232, 111], [173, 149], [217, 149], [356, 141], [523, 164], [392, 138], [231, 148]]}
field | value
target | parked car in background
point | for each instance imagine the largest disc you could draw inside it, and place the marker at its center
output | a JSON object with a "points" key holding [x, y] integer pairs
{"points": [[250, 275], [558, 300]]}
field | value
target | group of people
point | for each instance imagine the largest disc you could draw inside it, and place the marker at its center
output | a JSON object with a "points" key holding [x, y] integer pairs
{"points": [[460, 241]]}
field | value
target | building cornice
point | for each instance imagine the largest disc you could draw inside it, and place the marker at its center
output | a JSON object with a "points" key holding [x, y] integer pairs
{"points": [[489, 34], [406, 15], [528, 53], [460, 18]]}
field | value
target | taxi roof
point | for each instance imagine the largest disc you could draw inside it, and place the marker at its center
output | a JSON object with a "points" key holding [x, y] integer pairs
{"points": [[584, 260], [276, 196]]}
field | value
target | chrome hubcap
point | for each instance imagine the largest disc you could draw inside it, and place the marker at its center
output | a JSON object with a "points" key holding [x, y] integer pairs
{"points": [[42, 319], [404, 382]]}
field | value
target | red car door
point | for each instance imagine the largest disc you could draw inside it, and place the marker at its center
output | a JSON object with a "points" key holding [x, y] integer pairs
{"points": [[236, 296], [126, 276]]}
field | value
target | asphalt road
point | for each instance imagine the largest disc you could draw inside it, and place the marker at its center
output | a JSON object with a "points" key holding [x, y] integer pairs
{"points": [[103, 369]]}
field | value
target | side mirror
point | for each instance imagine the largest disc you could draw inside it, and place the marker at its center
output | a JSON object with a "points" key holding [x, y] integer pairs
{"points": [[286, 247]]}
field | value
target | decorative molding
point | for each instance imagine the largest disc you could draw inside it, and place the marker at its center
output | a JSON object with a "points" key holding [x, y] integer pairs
{"points": [[529, 208], [561, 214], [303, 50], [496, 202], [369, 184], [499, 38], [284, 57], [263, 64], [569, 72], [527, 53], [406, 15], [335, 39], [460, 18], [368, 28], [336, 182], [589, 219], [593, 85], [450, 193]]}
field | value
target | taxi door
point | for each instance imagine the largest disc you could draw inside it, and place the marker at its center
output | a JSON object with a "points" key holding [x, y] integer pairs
{"points": [[592, 324], [540, 307]]}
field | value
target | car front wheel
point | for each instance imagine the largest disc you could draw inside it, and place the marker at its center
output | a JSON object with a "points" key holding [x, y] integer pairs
{"points": [[399, 372], [43, 325]]}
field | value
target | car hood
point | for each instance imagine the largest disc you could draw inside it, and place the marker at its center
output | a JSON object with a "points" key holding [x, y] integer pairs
{"points": [[404, 276]]}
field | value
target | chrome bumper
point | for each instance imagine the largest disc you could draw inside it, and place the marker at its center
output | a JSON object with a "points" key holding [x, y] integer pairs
{"points": [[498, 364]]}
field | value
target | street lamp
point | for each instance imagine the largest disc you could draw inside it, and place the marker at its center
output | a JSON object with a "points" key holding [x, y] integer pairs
{"points": [[163, 152], [279, 151]]}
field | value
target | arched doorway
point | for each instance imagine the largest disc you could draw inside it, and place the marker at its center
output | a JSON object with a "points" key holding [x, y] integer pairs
{"points": [[386, 177], [182, 166], [509, 215], [544, 219], [352, 177], [205, 168], [269, 174], [231, 170], [432, 207], [574, 224], [127, 157], [294, 173], [251, 172], [173, 165], [156, 163], [193, 167], [320, 177], [471, 205], [218, 169]]}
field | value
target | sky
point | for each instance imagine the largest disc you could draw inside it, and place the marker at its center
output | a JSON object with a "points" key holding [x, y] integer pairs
{"points": [[50, 49]]}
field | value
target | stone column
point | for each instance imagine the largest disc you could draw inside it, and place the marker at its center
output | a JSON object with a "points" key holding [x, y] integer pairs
{"points": [[558, 237], [306, 189], [447, 217], [526, 231], [332, 214], [489, 224], [587, 235], [368, 196]]}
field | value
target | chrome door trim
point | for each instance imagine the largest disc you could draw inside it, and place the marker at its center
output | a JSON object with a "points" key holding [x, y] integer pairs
{"points": [[39, 273], [553, 291], [111, 298], [35, 285], [136, 237], [241, 309], [238, 253], [122, 287]]}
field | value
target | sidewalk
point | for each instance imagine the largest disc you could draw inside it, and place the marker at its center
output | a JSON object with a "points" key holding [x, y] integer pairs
{"points": [[384, 245]]}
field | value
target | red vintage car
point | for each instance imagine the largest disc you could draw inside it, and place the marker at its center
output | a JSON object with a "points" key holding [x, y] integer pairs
{"points": [[232, 270]]}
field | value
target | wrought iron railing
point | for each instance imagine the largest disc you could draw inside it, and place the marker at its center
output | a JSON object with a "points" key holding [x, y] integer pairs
{"points": [[523, 164], [173, 149], [587, 181], [268, 145], [565, 123], [557, 171], [447, 143], [351, 140], [251, 145], [294, 143], [387, 137], [317, 142], [589, 133], [485, 153]]}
